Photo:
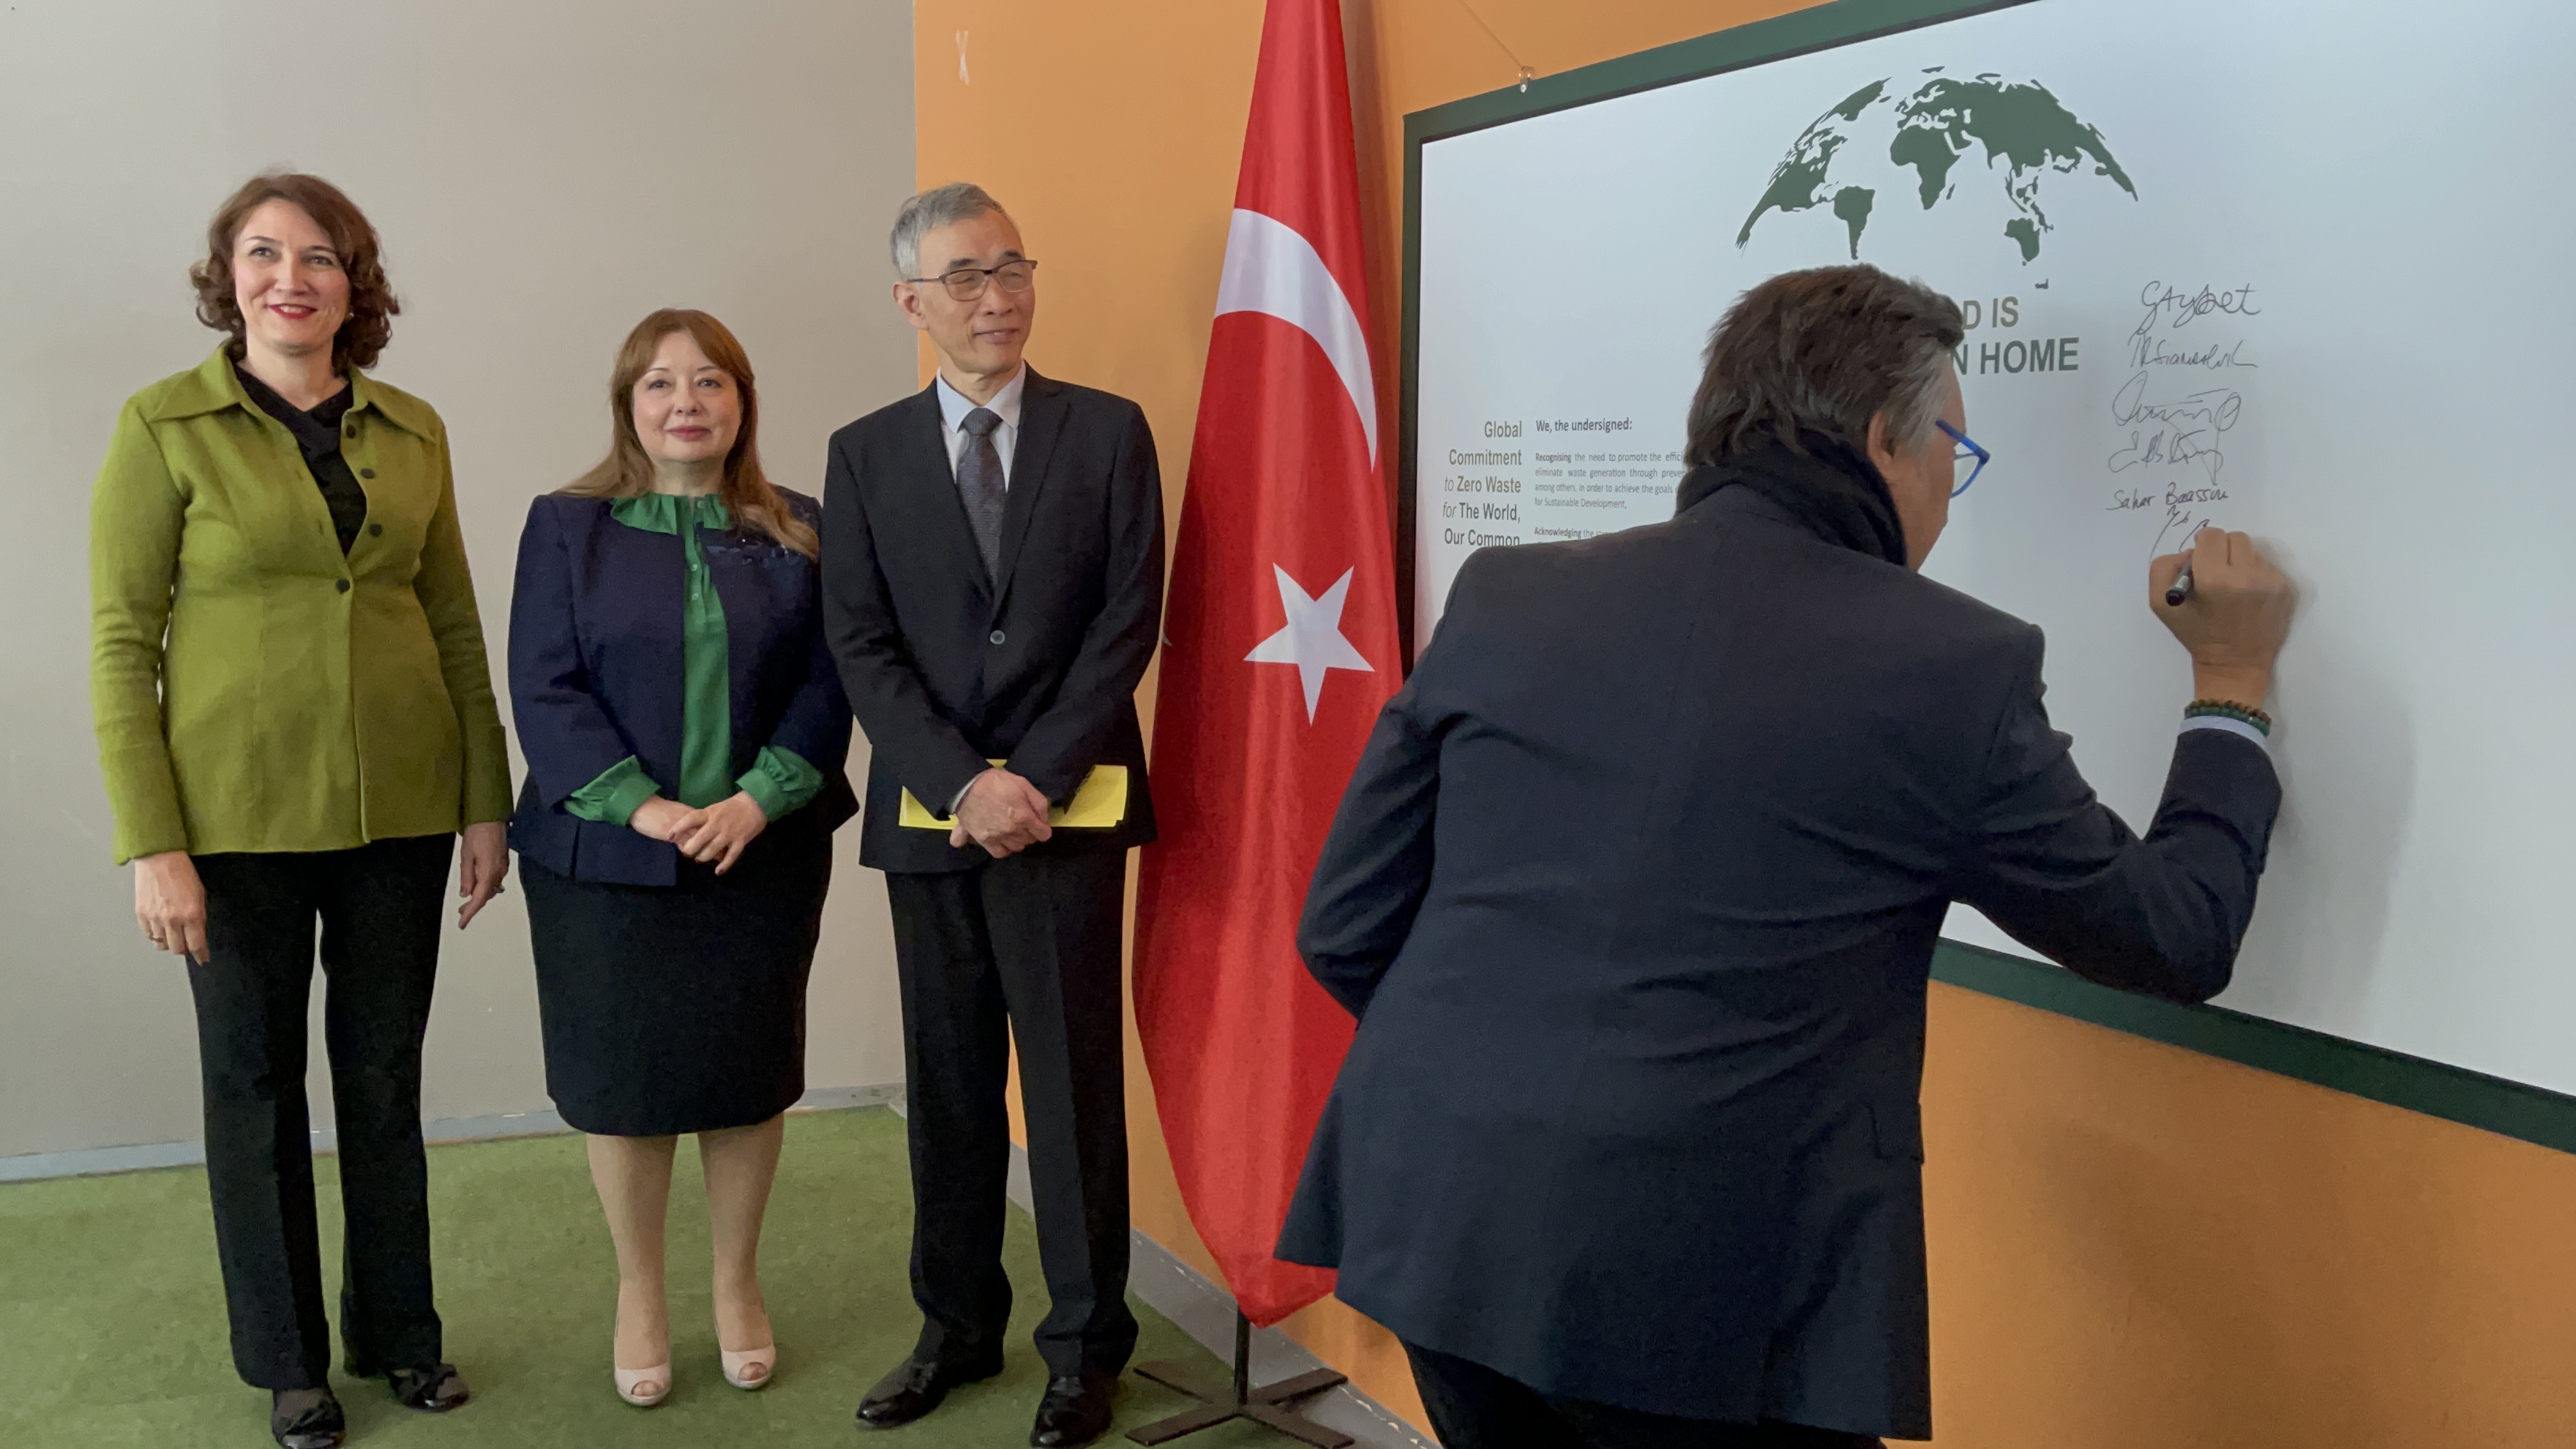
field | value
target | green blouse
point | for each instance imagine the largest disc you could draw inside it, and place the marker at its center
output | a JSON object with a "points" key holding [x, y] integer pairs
{"points": [[779, 781]]}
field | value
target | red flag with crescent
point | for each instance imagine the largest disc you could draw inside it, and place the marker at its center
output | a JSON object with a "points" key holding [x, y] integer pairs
{"points": [[1279, 649]]}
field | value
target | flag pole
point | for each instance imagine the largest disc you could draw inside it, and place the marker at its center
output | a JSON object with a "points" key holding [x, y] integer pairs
{"points": [[1272, 1407]]}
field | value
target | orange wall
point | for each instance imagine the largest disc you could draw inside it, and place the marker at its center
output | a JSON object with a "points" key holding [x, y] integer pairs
{"points": [[2132, 1247]]}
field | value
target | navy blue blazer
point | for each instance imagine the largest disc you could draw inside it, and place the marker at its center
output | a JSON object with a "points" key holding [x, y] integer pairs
{"points": [[1632, 1113], [595, 677]]}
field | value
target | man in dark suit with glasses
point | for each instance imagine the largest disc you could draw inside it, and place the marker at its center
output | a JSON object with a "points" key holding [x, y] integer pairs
{"points": [[992, 589]]}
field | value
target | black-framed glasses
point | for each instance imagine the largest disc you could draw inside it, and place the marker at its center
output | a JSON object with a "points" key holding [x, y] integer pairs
{"points": [[1968, 453], [967, 283]]}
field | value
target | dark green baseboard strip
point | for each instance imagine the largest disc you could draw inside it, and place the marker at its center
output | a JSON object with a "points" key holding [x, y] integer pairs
{"points": [[2454, 1094]]}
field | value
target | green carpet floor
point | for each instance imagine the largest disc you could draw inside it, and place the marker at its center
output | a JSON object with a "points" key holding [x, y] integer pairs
{"points": [[112, 1312]]}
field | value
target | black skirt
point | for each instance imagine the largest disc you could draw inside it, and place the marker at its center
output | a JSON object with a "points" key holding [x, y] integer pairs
{"points": [[681, 1008]]}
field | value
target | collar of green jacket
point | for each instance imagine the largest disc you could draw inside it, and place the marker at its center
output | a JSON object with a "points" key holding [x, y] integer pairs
{"points": [[214, 386]]}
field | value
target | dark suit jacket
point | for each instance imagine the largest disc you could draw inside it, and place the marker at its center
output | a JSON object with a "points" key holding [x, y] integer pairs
{"points": [[595, 677], [1635, 893], [948, 669]]}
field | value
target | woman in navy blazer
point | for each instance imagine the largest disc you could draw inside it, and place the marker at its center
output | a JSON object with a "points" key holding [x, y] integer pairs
{"points": [[685, 733]]}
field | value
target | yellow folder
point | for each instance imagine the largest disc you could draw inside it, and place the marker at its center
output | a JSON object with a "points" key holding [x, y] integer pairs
{"points": [[1100, 803]]}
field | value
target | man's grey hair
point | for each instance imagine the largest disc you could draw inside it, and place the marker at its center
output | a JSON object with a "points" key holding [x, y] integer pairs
{"points": [[928, 212], [1822, 352]]}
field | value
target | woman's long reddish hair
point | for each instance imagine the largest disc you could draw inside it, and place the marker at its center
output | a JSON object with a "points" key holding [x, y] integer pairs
{"points": [[627, 471]]}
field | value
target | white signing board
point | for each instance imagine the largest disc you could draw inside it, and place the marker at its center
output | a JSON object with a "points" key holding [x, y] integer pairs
{"points": [[2299, 269]]}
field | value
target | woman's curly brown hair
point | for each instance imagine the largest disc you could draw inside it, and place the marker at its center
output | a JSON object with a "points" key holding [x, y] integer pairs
{"points": [[372, 305]]}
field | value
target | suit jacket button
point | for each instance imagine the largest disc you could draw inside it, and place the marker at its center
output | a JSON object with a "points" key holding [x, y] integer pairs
{"points": [[377, 529], [341, 584], [366, 472], [994, 638]]}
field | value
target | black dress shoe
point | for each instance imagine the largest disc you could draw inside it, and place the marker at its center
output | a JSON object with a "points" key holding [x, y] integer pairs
{"points": [[299, 1420], [1075, 1411], [432, 1390], [917, 1386]]}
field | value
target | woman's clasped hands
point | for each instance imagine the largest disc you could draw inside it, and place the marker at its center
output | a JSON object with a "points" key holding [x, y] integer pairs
{"points": [[715, 833]]}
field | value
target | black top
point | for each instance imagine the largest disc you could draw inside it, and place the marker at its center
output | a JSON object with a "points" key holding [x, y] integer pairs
{"points": [[948, 668], [317, 436], [1635, 893]]}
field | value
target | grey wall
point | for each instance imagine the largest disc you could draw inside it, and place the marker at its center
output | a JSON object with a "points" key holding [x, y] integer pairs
{"points": [[543, 175]]}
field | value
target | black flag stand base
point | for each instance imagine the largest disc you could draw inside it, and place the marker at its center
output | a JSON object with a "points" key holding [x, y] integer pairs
{"points": [[1269, 1406]]}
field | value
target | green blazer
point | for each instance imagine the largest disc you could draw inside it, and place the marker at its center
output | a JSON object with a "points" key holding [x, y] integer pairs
{"points": [[254, 690]]}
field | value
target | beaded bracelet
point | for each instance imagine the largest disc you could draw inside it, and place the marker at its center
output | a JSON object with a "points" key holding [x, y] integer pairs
{"points": [[2223, 709]]}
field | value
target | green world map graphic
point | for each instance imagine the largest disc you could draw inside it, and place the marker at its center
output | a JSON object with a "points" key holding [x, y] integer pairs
{"points": [[1870, 143]]}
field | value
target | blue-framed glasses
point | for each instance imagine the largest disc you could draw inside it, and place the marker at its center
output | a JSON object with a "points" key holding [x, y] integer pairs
{"points": [[1968, 453]]}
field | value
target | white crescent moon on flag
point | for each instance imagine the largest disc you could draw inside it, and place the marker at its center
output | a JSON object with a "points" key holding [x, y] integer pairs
{"points": [[1270, 268]]}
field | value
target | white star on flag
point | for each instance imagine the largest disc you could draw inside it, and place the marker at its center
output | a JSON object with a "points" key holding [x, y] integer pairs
{"points": [[1313, 639]]}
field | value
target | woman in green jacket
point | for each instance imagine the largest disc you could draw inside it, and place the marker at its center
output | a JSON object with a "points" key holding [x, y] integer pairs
{"points": [[296, 722]]}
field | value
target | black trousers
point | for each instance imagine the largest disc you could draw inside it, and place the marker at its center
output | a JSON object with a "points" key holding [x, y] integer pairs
{"points": [[1025, 952], [1473, 1407], [378, 907]]}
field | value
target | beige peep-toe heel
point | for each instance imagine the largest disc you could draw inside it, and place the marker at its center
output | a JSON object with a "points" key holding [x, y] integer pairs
{"points": [[751, 1368], [644, 1387]]}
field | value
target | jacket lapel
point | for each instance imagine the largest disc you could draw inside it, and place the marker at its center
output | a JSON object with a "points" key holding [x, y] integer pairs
{"points": [[215, 386], [926, 443], [1042, 414]]}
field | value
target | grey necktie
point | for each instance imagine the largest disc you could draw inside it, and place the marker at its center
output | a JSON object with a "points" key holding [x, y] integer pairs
{"points": [[979, 482]]}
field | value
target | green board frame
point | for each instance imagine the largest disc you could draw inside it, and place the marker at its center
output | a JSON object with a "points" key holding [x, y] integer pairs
{"points": [[2436, 1089]]}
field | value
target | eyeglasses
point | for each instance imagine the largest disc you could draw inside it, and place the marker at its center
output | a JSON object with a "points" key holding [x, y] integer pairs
{"points": [[967, 283], [1967, 452]]}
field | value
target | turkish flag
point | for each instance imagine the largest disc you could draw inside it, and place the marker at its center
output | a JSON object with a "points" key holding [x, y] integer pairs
{"points": [[1279, 649]]}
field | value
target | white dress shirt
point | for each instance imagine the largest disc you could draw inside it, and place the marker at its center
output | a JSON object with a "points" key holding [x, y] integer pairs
{"points": [[2237, 727], [953, 408]]}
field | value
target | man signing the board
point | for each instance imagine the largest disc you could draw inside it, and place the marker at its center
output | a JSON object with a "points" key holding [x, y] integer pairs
{"points": [[1636, 889]]}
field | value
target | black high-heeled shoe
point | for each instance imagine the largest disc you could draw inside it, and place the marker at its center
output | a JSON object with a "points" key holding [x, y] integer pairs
{"points": [[313, 1424], [432, 1390]]}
